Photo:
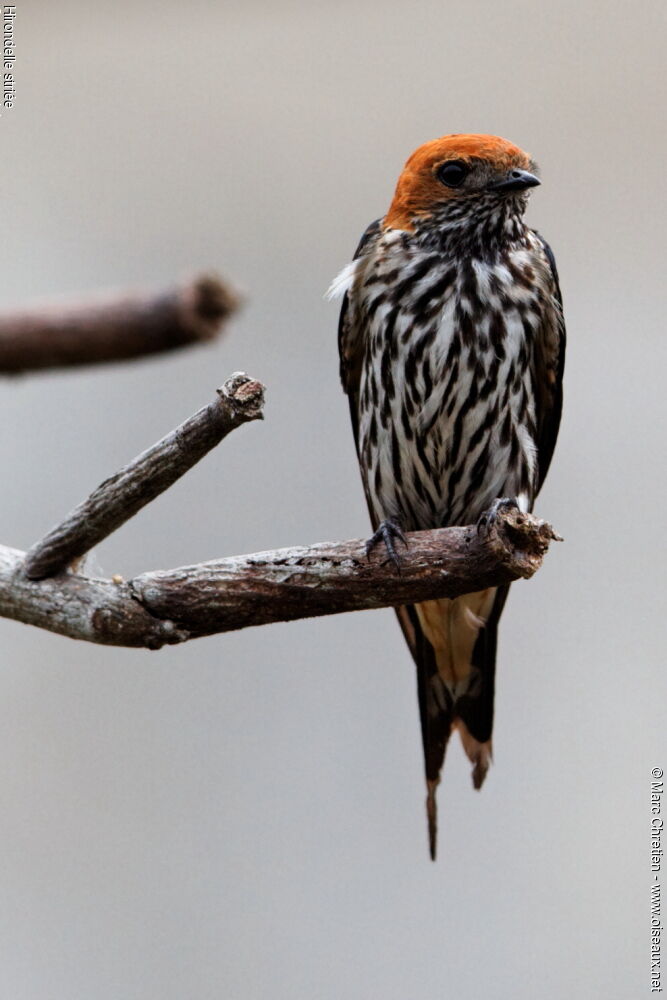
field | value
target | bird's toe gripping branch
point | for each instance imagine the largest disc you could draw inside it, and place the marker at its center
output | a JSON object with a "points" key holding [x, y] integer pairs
{"points": [[505, 528], [501, 505], [388, 532]]}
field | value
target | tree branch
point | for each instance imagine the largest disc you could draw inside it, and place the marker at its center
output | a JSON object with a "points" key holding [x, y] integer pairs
{"points": [[119, 498], [112, 327], [171, 606]]}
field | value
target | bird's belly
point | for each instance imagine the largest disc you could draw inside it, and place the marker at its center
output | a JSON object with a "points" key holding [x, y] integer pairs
{"points": [[450, 425]]}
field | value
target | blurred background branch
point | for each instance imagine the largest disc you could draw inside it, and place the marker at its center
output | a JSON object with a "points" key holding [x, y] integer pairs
{"points": [[114, 327]]}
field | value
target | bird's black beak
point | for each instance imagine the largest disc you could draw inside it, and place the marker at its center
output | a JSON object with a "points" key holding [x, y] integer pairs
{"points": [[515, 180]]}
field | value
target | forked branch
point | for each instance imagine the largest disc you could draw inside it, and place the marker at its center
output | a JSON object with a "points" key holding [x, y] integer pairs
{"points": [[171, 606]]}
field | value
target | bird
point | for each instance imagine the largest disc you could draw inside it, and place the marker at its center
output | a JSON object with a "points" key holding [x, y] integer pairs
{"points": [[451, 342]]}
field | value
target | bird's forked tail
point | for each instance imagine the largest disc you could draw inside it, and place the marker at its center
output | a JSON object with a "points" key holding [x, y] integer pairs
{"points": [[453, 643]]}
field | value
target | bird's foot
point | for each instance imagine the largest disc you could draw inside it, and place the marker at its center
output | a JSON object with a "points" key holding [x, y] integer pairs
{"points": [[499, 506], [388, 532]]}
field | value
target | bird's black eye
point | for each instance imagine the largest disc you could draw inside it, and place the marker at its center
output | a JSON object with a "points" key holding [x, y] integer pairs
{"points": [[453, 173]]}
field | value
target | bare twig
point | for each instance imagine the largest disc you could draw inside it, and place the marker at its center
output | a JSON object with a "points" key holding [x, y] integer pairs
{"points": [[172, 606], [119, 498], [113, 327]]}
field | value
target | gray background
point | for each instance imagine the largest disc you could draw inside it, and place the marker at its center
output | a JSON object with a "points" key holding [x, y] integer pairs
{"points": [[243, 816]]}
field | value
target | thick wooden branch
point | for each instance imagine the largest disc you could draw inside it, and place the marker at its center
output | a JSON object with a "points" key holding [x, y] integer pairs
{"points": [[113, 327], [171, 606], [119, 498], [333, 577]]}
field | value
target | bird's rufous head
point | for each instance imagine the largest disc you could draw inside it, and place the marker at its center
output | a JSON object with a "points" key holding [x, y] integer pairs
{"points": [[454, 169]]}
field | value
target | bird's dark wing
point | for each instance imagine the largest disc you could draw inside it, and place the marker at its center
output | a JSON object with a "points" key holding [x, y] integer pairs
{"points": [[476, 708], [351, 338], [549, 360]]}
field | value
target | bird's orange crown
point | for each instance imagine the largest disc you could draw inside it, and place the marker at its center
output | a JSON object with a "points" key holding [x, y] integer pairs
{"points": [[418, 190]]}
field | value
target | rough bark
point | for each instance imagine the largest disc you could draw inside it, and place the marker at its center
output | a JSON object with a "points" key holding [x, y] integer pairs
{"points": [[171, 606]]}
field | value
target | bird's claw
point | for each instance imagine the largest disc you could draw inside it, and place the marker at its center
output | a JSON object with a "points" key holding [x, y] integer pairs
{"points": [[490, 516], [388, 532]]}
